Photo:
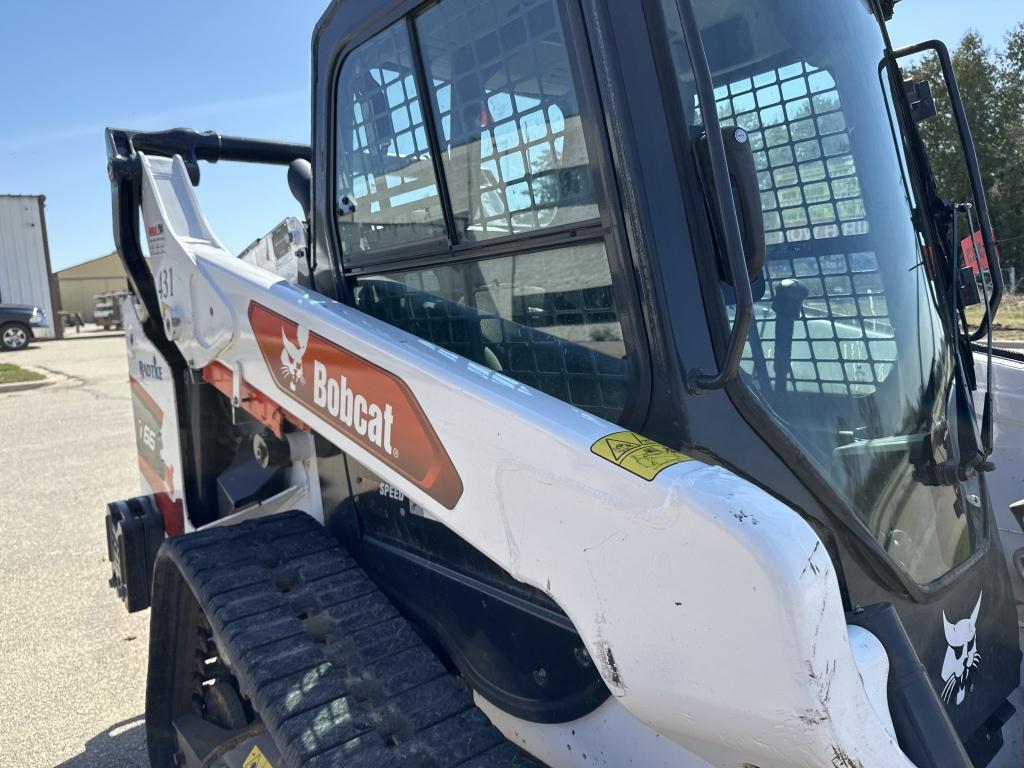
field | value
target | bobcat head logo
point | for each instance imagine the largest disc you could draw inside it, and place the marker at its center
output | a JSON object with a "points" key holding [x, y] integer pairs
{"points": [[291, 357], [962, 656]]}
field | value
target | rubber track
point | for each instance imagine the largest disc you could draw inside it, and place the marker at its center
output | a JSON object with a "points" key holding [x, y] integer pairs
{"points": [[337, 675]]}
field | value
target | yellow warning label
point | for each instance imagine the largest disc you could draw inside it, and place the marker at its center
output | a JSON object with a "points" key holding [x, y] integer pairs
{"points": [[637, 454], [256, 759]]}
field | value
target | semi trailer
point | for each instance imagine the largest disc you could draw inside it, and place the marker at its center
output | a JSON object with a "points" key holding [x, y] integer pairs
{"points": [[612, 403]]}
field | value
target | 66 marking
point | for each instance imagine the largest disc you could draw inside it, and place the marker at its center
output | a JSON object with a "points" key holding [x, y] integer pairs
{"points": [[147, 436]]}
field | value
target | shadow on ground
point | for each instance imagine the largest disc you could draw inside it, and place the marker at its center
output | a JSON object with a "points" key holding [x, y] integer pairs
{"points": [[70, 335], [122, 745]]}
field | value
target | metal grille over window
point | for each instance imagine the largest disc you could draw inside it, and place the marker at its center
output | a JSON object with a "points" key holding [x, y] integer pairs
{"points": [[507, 115], [848, 353], [545, 319], [806, 172], [843, 341], [387, 191], [813, 209]]}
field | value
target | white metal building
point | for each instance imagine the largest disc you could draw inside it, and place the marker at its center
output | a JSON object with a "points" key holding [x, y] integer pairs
{"points": [[25, 275]]}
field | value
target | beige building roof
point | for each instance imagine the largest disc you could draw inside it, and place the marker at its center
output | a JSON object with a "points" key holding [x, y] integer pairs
{"points": [[108, 265]]}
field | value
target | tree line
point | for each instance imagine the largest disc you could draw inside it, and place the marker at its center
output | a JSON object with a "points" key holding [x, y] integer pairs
{"points": [[991, 84]]}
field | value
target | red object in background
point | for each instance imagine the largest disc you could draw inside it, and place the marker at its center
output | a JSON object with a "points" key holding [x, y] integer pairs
{"points": [[967, 248]]}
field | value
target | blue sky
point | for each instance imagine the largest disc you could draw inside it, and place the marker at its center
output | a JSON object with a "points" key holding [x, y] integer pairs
{"points": [[237, 67], [73, 68], [947, 20]]}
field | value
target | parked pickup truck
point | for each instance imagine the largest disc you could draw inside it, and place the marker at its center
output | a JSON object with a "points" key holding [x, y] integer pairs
{"points": [[17, 322]]}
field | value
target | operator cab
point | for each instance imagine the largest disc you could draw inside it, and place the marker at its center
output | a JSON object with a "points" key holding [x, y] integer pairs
{"points": [[530, 185]]}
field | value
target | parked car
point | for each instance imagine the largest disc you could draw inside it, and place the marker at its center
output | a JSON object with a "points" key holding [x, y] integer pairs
{"points": [[16, 324]]}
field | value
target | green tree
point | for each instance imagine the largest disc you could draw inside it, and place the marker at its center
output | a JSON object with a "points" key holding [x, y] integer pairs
{"points": [[1011, 179], [992, 86]]}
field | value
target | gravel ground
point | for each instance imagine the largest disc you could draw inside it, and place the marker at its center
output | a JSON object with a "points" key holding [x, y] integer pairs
{"points": [[72, 660]]}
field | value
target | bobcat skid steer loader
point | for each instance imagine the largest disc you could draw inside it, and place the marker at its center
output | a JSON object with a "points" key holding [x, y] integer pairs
{"points": [[612, 404]]}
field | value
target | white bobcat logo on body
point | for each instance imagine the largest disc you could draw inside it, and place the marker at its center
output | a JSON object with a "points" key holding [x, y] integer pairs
{"points": [[962, 655], [291, 357]]}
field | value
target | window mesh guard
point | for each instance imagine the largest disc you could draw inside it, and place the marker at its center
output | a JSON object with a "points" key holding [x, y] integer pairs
{"points": [[385, 166], [815, 226], [508, 116]]}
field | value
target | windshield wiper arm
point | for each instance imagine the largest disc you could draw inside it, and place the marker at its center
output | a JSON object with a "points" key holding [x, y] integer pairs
{"points": [[986, 412], [968, 450], [974, 449]]}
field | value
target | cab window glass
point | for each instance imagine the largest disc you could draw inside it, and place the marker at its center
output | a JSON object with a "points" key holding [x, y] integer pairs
{"points": [[386, 187], [811, 194], [813, 216], [798, 131], [816, 229], [547, 319], [507, 116], [847, 352]]}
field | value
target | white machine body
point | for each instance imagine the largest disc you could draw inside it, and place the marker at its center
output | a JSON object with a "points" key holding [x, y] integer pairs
{"points": [[711, 608]]}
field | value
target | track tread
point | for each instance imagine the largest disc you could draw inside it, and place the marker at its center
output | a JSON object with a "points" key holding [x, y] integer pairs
{"points": [[338, 676]]}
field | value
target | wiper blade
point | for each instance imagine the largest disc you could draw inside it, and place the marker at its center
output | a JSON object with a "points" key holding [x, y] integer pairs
{"points": [[986, 413]]}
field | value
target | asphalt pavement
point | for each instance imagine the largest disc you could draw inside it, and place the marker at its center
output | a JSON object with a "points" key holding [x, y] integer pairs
{"points": [[72, 660]]}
